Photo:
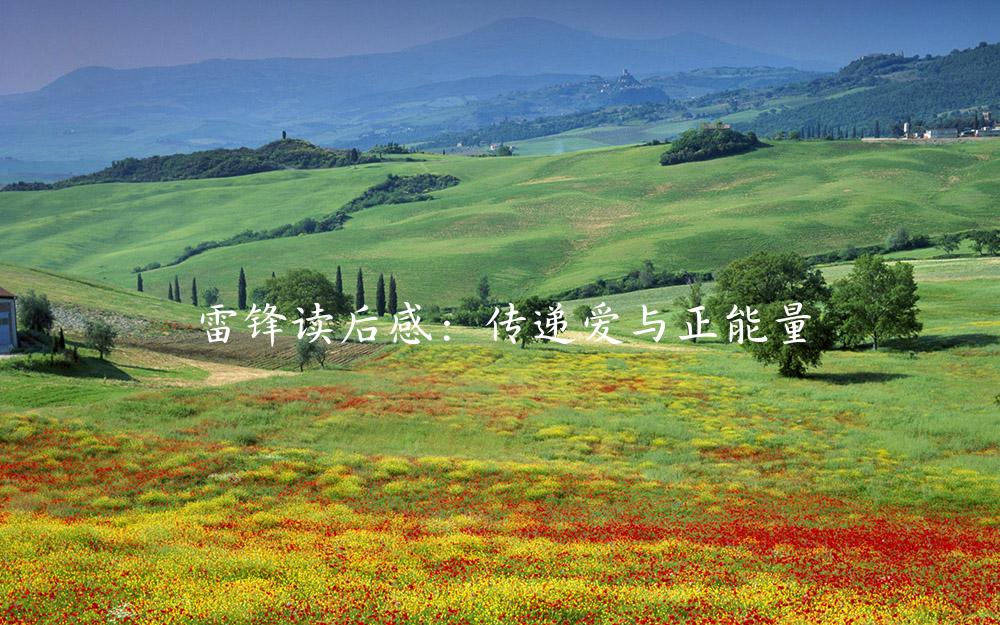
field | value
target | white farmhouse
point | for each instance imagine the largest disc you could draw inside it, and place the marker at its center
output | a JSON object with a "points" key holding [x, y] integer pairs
{"points": [[8, 322]]}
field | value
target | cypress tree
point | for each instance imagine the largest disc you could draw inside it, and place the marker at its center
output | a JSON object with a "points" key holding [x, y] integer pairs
{"points": [[241, 292], [177, 289], [359, 293], [170, 291], [194, 291], [339, 283], [380, 296], [393, 308], [62, 340], [138, 283]]}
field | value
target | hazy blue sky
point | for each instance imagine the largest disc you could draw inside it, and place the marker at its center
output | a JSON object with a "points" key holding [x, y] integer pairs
{"points": [[43, 39]]}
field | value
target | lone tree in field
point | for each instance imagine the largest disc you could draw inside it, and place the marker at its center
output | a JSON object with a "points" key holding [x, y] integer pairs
{"points": [[684, 318], [581, 313], [100, 336], [241, 292], [194, 291], [304, 351], [949, 243], [380, 296], [177, 289], [533, 309], [393, 307], [339, 283], [170, 291], [34, 312], [138, 283], [876, 301], [303, 288], [359, 292], [769, 282]]}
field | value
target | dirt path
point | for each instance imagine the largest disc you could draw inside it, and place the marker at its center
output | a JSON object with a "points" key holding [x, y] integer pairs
{"points": [[220, 374]]}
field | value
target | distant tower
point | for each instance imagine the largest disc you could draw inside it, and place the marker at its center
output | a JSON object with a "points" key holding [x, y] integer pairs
{"points": [[284, 135]]}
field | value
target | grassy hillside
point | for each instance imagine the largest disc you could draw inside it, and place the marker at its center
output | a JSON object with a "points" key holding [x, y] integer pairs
{"points": [[89, 294], [539, 224]]}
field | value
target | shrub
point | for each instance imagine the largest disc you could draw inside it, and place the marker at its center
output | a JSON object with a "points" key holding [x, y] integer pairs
{"points": [[210, 296]]}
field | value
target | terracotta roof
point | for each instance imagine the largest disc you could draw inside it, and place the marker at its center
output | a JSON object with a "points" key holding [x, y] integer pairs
{"points": [[4, 293]]}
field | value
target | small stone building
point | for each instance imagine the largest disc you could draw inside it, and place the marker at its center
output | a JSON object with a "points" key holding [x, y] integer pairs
{"points": [[8, 322]]}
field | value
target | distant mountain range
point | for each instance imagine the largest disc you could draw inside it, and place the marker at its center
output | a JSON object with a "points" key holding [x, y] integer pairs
{"points": [[512, 80], [98, 114]]}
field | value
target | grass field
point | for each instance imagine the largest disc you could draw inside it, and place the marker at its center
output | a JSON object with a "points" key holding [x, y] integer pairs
{"points": [[481, 483], [93, 295], [473, 482], [534, 224]]}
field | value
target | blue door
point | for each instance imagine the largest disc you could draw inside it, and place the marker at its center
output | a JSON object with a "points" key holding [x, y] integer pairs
{"points": [[6, 327]]}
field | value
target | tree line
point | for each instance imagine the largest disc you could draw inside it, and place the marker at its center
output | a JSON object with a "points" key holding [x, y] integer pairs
{"points": [[298, 288], [393, 190]]}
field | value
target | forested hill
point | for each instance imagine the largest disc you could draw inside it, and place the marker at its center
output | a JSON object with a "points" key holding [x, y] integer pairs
{"points": [[221, 163], [890, 89], [875, 94]]}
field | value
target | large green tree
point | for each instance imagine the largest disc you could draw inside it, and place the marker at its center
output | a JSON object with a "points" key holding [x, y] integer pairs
{"points": [[877, 301], [302, 288], [769, 282], [35, 312], [535, 310]]}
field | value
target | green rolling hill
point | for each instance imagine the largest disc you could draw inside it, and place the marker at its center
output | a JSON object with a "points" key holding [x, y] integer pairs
{"points": [[534, 224]]}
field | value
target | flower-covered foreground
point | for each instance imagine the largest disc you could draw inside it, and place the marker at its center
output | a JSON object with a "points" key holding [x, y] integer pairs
{"points": [[491, 485]]}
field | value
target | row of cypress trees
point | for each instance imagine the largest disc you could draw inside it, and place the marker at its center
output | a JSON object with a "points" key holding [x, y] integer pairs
{"points": [[383, 303]]}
